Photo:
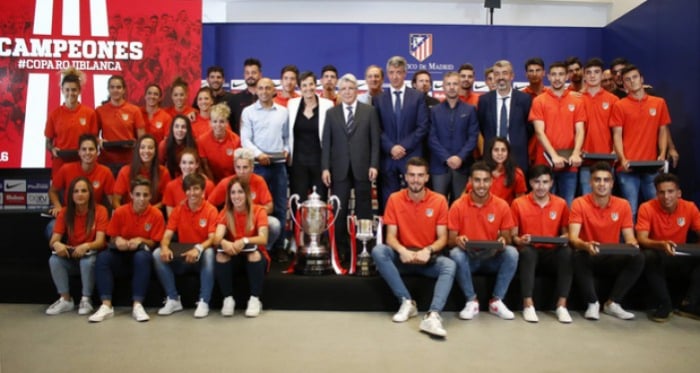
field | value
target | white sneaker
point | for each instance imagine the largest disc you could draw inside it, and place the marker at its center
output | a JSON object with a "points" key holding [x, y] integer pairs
{"points": [[171, 306], [407, 310], [85, 306], [60, 306], [498, 308], [228, 307], [139, 314], [616, 310], [432, 324], [470, 310], [254, 307], [202, 309], [593, 311], [563, 315], [530, 315], [104, 312]]}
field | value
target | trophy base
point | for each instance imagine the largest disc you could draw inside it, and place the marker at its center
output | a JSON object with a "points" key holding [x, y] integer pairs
{"points": [[313, 265], [365, 267]]}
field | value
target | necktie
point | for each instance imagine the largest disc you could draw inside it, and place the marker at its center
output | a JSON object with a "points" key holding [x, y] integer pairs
{"points": [[397, 107], [350, 123], [503, 126]]}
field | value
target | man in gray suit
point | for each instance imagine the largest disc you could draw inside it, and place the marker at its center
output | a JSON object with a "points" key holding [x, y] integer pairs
{"points": [[350, 155]]}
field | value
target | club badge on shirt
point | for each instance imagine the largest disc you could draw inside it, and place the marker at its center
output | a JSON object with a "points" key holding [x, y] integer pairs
{"points": [[202, 222], [491, 217], [125, 116], [252, 196], [552, 215], [95, 184], [606, 105], [429, 213], [159, 124], [147, 227], [614, 216], [572, 107], [82, 121], [680, 221], [229, 152], [652, 112]]}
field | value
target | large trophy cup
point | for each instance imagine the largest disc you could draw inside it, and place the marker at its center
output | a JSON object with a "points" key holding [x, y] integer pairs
{"points": [[364, 231], [314, 258]]}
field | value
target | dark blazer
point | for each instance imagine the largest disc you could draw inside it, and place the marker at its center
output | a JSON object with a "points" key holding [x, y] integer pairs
{"points": [[359, 150], [519, 128], [410, 133], [452, 132]]}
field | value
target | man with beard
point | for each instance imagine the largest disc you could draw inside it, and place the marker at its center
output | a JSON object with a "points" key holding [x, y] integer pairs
{"points": [[574, 74], [423, 82], [329, 80], [252, 71], [466, 85], [215, 81]]}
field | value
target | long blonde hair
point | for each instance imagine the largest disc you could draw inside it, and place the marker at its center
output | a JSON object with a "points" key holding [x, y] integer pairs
{"points": [[230, 220]]}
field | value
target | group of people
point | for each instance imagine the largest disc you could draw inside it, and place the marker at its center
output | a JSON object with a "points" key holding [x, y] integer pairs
{"points": [[245, 152]]}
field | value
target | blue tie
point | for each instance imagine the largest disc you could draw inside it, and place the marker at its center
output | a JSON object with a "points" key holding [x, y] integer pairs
{"points": [[350, 124], [503, 126], [397, 107]]}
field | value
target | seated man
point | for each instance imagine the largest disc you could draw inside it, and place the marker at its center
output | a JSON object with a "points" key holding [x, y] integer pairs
{"points": [[416, 221], [480, 216], [541, 213], [599, 218], [194, 222], [662, 223]]}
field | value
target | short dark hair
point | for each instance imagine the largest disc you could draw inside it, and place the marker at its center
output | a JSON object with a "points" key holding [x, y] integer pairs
{"points": [[329, 68], [534, 61], [557, 64], [619, 61], [252, 62], [479, 166], [601, 166], [666, 178], [419, 72], [594, 62], [193, 179], [539, 170], [140, 181], [417, 161], [305, 75], [215, 69], [628, 68], [87, 137], [572, 60], [292, 68], [466, 66]]}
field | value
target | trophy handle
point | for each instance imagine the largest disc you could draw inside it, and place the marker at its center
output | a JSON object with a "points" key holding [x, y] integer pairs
{"points": [[294, 202], [336, 211], [380, 235], [352, 221]]}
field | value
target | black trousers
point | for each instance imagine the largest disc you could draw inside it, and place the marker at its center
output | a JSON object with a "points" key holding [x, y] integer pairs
{"points": [[552, 261], [626, 268]]}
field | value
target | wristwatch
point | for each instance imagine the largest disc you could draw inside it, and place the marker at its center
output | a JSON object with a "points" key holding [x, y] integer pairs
{"points": [[246, 240]]}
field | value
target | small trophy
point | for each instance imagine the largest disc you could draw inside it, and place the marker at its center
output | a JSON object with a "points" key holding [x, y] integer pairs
{"points": [[364, 231]]}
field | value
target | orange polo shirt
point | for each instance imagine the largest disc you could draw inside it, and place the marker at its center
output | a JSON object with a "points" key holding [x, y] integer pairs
{"points": [[128, 224], [560, 114], [100, 177], [186, 111], [479, 222], [259, 220], [500, 190], [200, 126], [159, 125], [472, 98], [536, 220], [416, 222], [119, 123], [601, 224], [174, 195], [259, 192], [662, 225], [80, 234], [193, 226], [640, 121], [219, 153], [64, 126], [284, 100], [123, 185], [598, 110]]}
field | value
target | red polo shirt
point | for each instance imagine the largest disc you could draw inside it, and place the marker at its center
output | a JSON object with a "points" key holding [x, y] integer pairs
{"points": [[662, 225], [480, 222], [416, 222], [601, 224]]}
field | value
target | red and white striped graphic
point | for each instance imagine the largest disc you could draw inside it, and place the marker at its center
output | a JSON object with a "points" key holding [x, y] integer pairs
{"points": [[420, 46]]}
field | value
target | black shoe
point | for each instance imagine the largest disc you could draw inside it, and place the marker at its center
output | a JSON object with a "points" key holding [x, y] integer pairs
{"points": [[686, 310], [661, 314]]}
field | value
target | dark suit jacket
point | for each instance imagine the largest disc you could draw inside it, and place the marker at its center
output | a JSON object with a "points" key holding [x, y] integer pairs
{"points": [[359, 150], [410, 133], [519, 128]]}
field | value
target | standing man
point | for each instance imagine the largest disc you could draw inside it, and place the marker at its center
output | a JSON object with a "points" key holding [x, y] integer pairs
{"points": [[608, 82], [489, 79], [374, 77], [466, 85], [264, 130], [416, 223], [423, 82], [216, 81], [616, 67], [329, 81], [350, 155], [598, 218], [598, 103], [559, 118], [534, 70], [479, 215], [574, 74], [662, 224], [288, 80], [454, 131], [404, 123], [640, 133], [252, 71], [504, 113]]}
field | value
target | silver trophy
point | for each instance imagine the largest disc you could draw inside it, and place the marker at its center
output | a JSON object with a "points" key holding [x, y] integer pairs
{"points": [[364, 231], [313, 258]]}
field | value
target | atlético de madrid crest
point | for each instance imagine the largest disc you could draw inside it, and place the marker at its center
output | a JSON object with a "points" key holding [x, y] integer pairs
{"points": [[681, 221], [420, 46], [552, 215], [614, 216]]}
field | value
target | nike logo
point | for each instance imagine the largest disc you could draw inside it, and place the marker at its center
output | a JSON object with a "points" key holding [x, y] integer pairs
{"points": [[519, 87], [13, 186], [438, 86], [479, 86], [234, 85]]}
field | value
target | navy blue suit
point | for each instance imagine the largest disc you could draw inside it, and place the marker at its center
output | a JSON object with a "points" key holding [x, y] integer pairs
{"points": [[410, 134], [519, 128]]}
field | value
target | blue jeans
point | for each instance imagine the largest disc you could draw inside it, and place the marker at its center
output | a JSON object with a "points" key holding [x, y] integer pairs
{"points": [[274, 229], [167, 271], [632, 184], [275, 176], [503, 264], [61, 268], [390, 268], [584, 179], [122, 263], [565, 185]]}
